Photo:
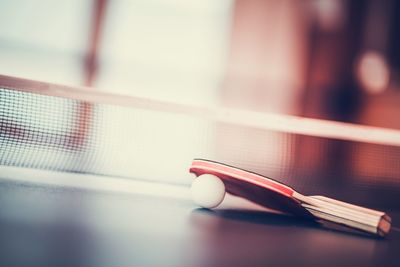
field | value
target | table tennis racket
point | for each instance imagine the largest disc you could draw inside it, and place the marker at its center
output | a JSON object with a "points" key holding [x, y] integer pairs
{"points": [[272, 194]]}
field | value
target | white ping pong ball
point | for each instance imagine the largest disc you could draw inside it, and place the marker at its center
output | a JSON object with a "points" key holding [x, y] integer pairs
{"points": [[208, 191]]}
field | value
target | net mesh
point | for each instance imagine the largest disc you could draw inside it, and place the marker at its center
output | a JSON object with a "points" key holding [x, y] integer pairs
{"points": [[67, 134], [61, 134]]}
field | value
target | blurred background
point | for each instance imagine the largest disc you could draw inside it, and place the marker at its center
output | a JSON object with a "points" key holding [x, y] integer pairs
{"points": [[326, 59]]}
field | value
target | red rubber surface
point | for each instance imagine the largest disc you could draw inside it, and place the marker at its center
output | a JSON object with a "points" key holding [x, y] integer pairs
{"points": [[254, 187]]}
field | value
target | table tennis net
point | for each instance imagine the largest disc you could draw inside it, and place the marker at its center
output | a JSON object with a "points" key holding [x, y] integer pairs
{"points": [[57, 128]]}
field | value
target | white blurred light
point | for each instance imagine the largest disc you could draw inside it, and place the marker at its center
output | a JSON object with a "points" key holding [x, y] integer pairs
{"points": [[373, 72], [330, 14], [44, 40], [166, 49]]}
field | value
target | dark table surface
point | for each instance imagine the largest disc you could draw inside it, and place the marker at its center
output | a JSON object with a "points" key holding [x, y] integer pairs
{"points": [[59, 226]]}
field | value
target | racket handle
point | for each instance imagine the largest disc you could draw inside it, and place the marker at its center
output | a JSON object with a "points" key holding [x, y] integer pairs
{"points": [[368, 220]]}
